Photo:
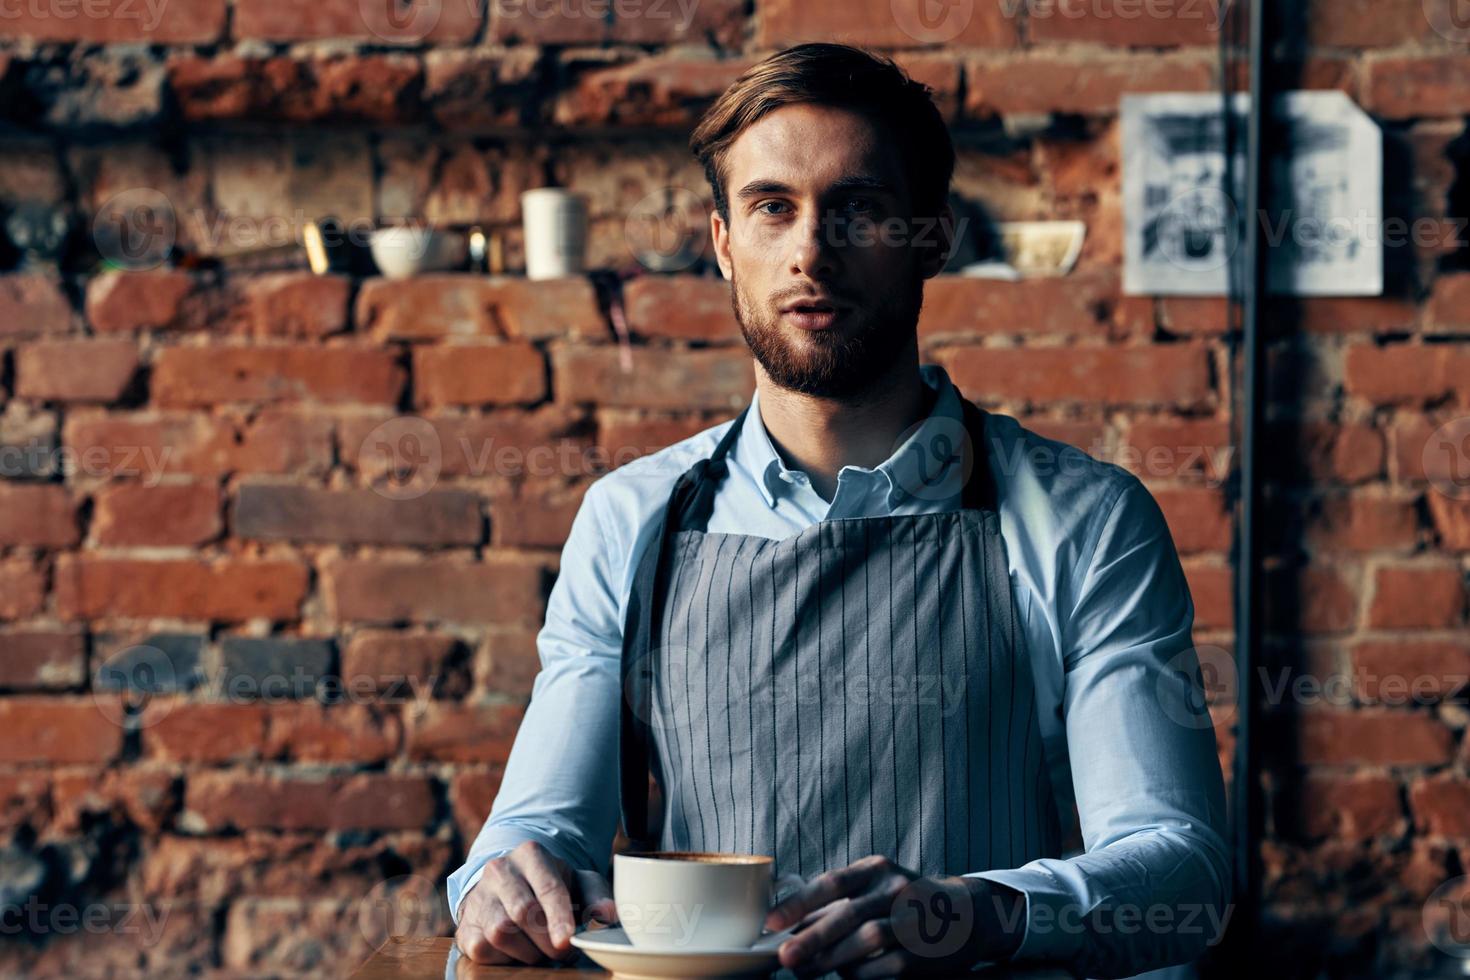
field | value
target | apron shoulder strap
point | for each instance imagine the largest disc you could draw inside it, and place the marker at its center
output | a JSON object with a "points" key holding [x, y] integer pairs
{"points": [[980, 490]]}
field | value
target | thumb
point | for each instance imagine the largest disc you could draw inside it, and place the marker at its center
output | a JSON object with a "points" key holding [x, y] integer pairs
{"points": [[597, 899]]}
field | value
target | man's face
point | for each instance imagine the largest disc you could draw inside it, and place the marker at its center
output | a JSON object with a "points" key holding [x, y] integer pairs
{"points": [[825, 258]]}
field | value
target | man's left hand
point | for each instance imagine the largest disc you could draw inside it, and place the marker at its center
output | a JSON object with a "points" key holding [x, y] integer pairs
{"points": [[875, 918]]}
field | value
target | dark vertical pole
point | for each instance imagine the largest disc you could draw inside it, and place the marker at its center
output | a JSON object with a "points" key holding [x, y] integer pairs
{"points": [[1246, 790]]}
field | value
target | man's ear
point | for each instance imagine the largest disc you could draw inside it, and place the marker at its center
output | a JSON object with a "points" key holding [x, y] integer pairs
{"points": [[720, 235], [936, 243]]}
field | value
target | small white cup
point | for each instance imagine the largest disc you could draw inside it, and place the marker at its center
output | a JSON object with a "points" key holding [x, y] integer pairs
{"points": [[693, 901], [555, 223]]}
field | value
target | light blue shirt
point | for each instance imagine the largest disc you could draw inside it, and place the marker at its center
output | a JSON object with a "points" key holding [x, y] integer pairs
{"points": [[1107, 621]]}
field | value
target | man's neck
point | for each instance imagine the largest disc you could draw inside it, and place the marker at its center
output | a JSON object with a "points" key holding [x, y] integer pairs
{"points": [[820, 436]]}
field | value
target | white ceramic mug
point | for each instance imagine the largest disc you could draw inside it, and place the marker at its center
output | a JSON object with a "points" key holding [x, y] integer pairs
{"points": [[694, 901], [555, 224]]}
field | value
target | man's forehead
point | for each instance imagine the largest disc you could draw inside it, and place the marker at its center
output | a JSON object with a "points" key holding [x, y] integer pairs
{"points": [[804, 144]]}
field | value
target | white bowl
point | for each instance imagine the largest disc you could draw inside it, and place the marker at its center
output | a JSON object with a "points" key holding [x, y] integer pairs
{"points": [[410, 250]]}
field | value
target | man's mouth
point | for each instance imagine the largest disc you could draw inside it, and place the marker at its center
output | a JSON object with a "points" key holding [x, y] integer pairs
{"points": [[813, 315]]}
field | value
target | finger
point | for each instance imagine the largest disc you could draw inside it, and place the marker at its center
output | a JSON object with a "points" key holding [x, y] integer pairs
{"points": [[843, 918], [507, 937], [547, 878], [871, 937], [476, 946], [596, 897], [824, 889], [888, 965], [522, 907]]}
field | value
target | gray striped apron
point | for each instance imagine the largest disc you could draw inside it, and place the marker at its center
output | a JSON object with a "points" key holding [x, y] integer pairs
{"points": [[858, 688]]}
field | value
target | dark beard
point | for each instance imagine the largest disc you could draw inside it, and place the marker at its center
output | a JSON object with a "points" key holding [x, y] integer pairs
{"points": [[839, 363]]}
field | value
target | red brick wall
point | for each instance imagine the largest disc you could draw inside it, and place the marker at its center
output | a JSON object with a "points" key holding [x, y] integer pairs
{"points": [[206, 477]]}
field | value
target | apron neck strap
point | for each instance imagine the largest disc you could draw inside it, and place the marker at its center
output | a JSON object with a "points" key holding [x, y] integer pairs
{"points": [[979, 492]]}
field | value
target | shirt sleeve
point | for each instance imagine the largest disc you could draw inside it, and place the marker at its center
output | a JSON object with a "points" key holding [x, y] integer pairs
{"points": [[1153, 886], [561, 782]]}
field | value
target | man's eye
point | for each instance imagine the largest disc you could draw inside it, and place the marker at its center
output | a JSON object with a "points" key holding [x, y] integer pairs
{"points": [[859, 205], [761, 208]]}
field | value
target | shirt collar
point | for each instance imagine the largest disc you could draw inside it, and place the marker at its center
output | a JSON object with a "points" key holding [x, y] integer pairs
{"points": [[913, 469]]}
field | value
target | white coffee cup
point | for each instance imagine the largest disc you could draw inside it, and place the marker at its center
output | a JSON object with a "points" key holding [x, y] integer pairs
{"points": [[555, 224], [692, 900]]}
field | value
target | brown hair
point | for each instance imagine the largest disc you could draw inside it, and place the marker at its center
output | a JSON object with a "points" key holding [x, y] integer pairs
{"points": [[846, 77]]}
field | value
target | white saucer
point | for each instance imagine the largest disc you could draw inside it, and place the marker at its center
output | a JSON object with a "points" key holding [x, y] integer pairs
{"points": [[611, 949]]}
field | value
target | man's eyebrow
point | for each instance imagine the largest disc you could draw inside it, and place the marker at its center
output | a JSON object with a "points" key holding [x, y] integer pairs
{"points": [[855, 182]]}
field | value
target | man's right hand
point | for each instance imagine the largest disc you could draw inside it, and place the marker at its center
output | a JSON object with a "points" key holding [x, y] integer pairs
{"points": [[526, 906]]}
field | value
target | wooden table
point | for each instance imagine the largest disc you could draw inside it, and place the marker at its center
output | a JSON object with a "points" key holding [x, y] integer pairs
{"points": [[428, 959]]}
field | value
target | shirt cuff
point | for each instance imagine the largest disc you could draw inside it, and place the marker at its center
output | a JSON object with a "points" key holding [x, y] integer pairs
{"points": [[467, 877], [1054, 931]]}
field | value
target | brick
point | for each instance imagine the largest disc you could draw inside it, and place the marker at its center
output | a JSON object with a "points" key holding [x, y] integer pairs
{"points": [[185, 376], [277, 936], [468, 89], [1211, 586], [1122, 23], [147, 662], [1407, 86], [196, 22], [1368, 23], [985, 24], [1198, 518], [504, 588], [625, 436], [1324, 452], [509, 662], [355, 88], [153, 444], [960, 306], [296, 305], [144, 797], [42, 659], [448, 732], [1446, 310], [1441, 805], [365, 801], [1089, 84], [681, 307], [1358, 522], [1346, 315], [448, 305], [1176, 448], [401, 665], [22, 588], [38, 515], [479, 374], [508, 443], [662, 379], [664, 90], [471, 795], [533, 523], [1410, 672], [300, 20], [1407, 374], [1315, 599], [204, 733], [89, 586], [75, 370], [310, 732], [719, 22], [59, 731], [1424, 596], [1354, 806], [1176, 375], [33, 305], [1194, 316], [274, 668], [1452, 521], [178, 514], [1088, 436], [292, 513], [129, 301], [25, 800], [1372, 737]]}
